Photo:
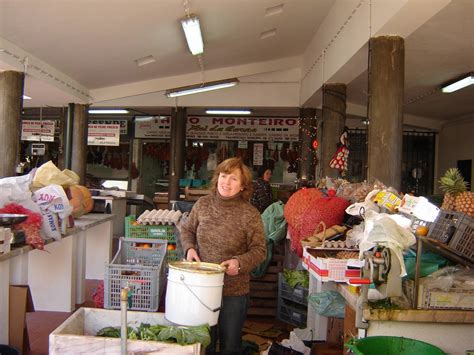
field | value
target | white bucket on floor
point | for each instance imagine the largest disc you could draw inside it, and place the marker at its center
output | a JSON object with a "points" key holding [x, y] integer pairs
{"points": [[194, 293]]}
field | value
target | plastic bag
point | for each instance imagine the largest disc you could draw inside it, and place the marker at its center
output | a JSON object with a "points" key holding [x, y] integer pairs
{"points": [[16, 189], [328, 303], [48, 174], [53, 203]]}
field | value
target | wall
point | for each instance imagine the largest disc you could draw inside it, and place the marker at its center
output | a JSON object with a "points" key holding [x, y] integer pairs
{"points": [[455, 143]]}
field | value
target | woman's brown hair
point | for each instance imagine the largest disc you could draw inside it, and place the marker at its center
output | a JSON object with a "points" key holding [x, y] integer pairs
{"points": [[227, 167]]}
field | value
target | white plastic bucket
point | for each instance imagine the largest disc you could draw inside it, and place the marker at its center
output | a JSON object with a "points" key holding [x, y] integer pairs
{"points": [[194, 293]]}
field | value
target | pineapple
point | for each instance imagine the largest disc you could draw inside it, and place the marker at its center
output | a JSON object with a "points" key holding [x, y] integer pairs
{"points": [[465, 203], [456, 196]]}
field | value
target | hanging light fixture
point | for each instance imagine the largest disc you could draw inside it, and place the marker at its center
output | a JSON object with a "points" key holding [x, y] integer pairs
{"points": [[194, 89], [192, 31]]}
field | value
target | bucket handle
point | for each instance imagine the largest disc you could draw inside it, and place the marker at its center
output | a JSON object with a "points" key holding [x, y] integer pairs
{"points": [[181, 277]]}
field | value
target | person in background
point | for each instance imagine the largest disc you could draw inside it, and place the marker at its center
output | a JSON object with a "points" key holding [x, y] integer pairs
{"points": [[224, 228], [262, 196]]}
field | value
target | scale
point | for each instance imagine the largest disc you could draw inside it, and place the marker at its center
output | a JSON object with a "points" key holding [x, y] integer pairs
{"points": [[10, 220]]}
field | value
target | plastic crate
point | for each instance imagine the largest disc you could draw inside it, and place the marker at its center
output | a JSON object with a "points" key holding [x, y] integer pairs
{"points": [[292, 313], [463, 240], [445, 225], [298, 294], [164, 231], [141, 269]]}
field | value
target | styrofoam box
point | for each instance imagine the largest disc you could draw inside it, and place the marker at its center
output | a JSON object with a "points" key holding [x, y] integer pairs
{"points": [[330, 269], [77, 334], [451, 299]]}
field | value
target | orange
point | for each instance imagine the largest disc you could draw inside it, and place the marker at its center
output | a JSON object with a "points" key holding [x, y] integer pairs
{"points": [[171, 246], [422, 230]]}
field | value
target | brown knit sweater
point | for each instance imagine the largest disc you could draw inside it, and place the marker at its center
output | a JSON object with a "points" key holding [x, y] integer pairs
{"points": [[224, 228]]}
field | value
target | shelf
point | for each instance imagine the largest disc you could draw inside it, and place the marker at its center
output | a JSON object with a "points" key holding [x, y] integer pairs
{"points": [[445, 251], [419, 315]]}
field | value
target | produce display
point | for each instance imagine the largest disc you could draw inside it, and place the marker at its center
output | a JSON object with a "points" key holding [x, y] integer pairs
{"points": [[456, 197], [179, 334]]}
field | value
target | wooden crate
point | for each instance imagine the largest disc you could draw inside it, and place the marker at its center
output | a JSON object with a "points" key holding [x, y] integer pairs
{"points": [[264, 290]]}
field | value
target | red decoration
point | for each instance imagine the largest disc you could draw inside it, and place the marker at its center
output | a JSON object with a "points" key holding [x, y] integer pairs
{"points": [[315, 144]]}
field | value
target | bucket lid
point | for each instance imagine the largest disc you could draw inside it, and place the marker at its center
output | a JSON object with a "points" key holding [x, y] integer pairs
{"points": [[197, 267]]}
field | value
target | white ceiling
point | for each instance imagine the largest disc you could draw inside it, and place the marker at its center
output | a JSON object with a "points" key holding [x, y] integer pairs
{"points": [[95, 43]]}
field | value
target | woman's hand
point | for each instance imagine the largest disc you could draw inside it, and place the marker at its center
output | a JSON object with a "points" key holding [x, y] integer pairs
{"points": [[192, 255], [232, 267]]}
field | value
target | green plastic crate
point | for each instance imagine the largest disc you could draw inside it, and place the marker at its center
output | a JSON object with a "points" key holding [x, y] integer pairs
{"points": [[145, 231]]}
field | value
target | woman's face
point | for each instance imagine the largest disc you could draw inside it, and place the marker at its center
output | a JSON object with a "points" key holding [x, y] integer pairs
{"points": [[229, 184], [267, 175]]}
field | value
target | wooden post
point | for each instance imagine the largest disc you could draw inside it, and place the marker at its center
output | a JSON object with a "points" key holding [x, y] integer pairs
{"points": [[79, 141], [386, 85], [307, 154], [334, 120], [11, 102], [178, 140]]}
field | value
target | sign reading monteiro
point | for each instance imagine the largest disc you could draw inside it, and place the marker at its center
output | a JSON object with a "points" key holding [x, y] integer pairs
{"points": [[223, 128]]}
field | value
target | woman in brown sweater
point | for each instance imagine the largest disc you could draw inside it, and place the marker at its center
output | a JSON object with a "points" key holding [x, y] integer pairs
{"points": [[224, 228]]}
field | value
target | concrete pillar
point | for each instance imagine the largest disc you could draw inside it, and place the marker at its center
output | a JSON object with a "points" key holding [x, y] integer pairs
{"points": [[334, 120], [79, 141], [307, 134], [385, 132], [11, 102], [178, 140]]}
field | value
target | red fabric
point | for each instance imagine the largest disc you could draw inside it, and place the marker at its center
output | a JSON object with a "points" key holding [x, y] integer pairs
{"points": [[31, 226]]}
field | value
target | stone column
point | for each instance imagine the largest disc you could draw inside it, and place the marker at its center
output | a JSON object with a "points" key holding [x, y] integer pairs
{"points": [[334, 120], [11, 102], [307, 134], [178, 140], [385, 132], [79, 141]]}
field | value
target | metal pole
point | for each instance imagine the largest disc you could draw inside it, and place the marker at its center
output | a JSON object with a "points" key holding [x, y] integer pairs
{"points": [[68, 136]]}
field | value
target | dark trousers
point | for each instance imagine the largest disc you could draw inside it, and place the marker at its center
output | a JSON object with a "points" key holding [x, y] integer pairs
{"points": [[229, 327]]}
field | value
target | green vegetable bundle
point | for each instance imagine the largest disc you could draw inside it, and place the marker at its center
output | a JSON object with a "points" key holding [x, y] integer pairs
{"points": [[296, 277], [179, 334]]}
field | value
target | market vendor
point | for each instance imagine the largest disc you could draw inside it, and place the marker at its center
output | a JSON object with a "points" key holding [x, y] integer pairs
{"points": [[224, 228], [262, 196]]}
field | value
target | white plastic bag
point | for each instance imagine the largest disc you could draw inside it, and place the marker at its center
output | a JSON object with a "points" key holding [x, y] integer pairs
{"points": [[53, 203], [16, 189]]}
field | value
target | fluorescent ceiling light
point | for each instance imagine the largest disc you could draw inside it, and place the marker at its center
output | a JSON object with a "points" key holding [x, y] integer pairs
{"points": [[192, 31], [462, 83], [228, 112], [107, 111], [194, 89], [26, 97]]}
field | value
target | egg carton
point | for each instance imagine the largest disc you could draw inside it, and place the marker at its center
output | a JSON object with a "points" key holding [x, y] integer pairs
{"points": [[156, 217]]}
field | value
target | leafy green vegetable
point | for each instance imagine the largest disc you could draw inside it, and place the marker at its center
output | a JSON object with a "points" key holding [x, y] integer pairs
{"points": [[385, 303], [178, 334], [296, 277], [110, 332]]}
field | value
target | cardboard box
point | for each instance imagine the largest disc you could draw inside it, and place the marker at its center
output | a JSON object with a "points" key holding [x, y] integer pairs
{"points": [[325, 268], [20, 303]]}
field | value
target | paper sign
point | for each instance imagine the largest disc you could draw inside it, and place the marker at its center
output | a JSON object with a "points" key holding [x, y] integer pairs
{"points": [[38, 131], [103, 134]]}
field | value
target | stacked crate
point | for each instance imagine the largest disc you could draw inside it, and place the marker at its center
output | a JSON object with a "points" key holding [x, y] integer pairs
{"points": [[292, 303], [264, 290], [156, 231], [138, 265]]}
